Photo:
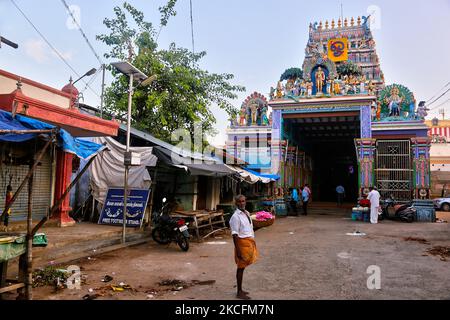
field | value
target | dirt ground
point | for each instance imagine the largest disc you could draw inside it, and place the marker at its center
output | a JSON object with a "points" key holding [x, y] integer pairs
{"points": [[300, 258]]}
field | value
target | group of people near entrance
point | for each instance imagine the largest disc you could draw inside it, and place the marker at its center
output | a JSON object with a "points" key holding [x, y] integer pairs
{"points": [[303, 195]]}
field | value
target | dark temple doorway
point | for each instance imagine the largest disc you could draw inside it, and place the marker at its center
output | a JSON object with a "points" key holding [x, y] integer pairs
{"points": [[328, 138]]}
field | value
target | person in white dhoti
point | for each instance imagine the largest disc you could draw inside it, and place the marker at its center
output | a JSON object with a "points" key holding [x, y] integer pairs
{"points": [[374, 198]]}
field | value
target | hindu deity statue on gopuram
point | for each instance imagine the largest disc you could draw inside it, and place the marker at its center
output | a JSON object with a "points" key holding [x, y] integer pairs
{"points": [[253, 111]]}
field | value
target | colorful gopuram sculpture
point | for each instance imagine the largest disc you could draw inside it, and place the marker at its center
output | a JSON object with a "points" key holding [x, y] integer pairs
{"points": [[324, 74], [253, 111]]}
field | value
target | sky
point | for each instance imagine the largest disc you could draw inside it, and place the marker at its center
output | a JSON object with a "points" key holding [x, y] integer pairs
{"points": [[256, 40]]}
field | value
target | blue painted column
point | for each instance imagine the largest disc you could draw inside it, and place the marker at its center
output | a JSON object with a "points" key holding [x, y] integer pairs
{"points": [[365, 151], [277, 134], [366, 122]]}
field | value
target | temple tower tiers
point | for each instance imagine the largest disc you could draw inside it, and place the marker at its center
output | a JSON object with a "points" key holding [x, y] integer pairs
{"points": [[360, 42]]}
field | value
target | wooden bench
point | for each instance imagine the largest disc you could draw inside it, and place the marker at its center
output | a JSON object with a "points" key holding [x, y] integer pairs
{"points": [[202, 219]]}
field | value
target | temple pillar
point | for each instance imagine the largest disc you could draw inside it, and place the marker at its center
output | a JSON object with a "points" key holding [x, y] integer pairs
{"points": [[421, 179], [63, 179], [421, 166], [365, 151], [366, 122], [276, 151]]}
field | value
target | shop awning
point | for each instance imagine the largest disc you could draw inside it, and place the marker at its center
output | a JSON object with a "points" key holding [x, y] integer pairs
{"points": [[108, 170], [82, 148], [192, 162], [253, 177], [272, 177]]}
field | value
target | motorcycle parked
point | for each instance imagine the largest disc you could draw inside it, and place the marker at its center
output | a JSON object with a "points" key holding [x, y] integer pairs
{"points": [[167, 229], [402, 212]]}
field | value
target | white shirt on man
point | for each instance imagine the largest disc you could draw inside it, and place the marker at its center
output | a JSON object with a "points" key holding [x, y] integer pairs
{"points": [[241, 224], [374, 198]]}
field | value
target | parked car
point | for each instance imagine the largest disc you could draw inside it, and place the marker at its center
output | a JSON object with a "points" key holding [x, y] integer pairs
{"points": [[442, 204]]}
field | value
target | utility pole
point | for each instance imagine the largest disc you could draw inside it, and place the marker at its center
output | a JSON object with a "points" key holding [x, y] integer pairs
{"points": [[103, 91], [442, 112]]}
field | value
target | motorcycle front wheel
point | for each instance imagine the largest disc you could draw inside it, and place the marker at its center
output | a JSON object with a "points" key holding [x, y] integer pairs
{"points": [[160, 236], [183, 242]]}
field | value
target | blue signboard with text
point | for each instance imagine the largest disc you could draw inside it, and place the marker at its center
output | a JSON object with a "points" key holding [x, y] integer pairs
{"points": [[112, 212]]}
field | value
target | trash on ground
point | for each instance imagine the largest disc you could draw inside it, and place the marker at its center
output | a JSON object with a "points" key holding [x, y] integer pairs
{"points": [[121, 287], [291, 233], [150, 296], [216, 242], [444, 252], [421, 240], [49, 276], [107, 278], [91, 290], [117, 288], [356, 233], [173, 282], [441, 221], [203, 283], [151, 292], [344, 255], [91, 296]]}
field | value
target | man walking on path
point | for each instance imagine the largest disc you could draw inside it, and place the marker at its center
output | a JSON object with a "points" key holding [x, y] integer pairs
{"points": [[340, 194], [306, 195], [245, 252], [374, 198], [294, 200]]}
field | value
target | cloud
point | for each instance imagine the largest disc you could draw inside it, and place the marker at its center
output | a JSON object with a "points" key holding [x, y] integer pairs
{"points": [[66, 55], [39, 51], [36, 49]]}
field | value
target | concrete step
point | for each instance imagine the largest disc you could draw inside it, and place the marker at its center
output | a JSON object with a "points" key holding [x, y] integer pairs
{"points": [[84, 254], [64, 251]]}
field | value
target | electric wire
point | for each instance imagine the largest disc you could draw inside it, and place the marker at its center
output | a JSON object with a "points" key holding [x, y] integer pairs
{"points": [[435, 100], [82, 32], [443, 103], [438, 92], [51, 46], [192, 26], [92, 79]]}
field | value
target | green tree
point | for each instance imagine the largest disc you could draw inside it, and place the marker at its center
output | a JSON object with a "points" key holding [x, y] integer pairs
{"points": [[292, 73], [182, 93], [348, 68]]}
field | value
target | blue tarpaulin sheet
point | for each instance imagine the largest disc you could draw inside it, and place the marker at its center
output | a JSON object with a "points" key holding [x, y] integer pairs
{"points": [[269, 176], [82, 148]]}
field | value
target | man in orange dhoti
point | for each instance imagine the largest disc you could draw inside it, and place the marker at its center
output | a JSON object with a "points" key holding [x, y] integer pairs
{"points": [[245, 252]]}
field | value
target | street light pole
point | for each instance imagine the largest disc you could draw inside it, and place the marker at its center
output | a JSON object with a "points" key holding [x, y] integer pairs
{"points": [[125, 183], [103, 91], [128, 69]]}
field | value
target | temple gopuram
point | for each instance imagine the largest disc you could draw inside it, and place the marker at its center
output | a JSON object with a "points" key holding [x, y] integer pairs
{"points": [[335, 121]]}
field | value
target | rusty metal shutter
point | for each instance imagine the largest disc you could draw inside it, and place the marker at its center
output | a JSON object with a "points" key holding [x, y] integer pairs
{"points": [[41, 189]]}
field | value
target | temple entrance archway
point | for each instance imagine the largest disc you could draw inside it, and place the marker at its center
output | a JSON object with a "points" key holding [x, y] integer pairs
{"points": [[328, 140]]}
